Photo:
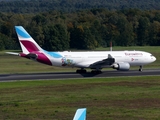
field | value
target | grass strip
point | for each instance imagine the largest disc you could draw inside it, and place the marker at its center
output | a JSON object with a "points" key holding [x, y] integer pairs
{"points": [[125, 98]]}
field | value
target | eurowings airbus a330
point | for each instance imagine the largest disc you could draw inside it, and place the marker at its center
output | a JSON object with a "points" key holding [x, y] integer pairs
{"points": [[95, 60]]}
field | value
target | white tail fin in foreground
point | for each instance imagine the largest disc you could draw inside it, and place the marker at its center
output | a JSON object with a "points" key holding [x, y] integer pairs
{"points": [[80, 114], [26, 41]]}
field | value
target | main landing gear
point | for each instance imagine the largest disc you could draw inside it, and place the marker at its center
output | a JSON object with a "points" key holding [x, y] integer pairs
{"points": [[140, 68], [82, 70], [96, 71]]}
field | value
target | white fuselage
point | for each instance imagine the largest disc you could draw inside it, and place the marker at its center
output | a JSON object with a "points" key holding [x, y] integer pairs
{"points": [[85, 59]]}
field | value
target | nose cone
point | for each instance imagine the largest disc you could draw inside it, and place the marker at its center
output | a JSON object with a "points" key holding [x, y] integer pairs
{"points": [[153, 58]]}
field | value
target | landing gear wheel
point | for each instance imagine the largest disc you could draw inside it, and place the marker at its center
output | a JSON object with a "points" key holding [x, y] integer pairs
{"points": [[81, 71], [140, 68], [96, 71]]}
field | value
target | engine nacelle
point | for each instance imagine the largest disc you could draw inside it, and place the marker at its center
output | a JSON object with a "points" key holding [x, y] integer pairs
{"points": [[121, 66]]}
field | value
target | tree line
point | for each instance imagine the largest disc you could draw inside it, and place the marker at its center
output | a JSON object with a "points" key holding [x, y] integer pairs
{"points": [[35, 6], [85, 29]]}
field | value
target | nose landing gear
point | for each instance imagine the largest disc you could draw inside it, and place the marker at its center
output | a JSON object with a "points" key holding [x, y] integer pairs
{"points": [[140, 68]]}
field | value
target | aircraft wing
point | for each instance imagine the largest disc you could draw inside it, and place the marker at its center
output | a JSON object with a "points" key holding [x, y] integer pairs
{"points": [[105, 62]]}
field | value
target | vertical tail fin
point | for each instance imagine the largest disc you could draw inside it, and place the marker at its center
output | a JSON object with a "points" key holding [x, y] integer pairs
{"points": [[26, 41], [80, 114]]}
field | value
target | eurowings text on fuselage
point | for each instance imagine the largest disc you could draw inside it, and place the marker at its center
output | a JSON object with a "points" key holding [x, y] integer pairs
{"points": [[96, 60]]}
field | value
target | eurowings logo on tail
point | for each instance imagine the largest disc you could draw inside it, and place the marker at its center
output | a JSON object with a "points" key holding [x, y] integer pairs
{"points": [[31, 49], [26, 41], [28, 44]]}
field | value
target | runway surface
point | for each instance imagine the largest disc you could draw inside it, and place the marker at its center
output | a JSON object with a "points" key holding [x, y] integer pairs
{"points": [[67, 75]]}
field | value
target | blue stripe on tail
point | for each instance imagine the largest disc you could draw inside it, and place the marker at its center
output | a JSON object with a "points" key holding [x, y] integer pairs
{"points": [[22, 32]]}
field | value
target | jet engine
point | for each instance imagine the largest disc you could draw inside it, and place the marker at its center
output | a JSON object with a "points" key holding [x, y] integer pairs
{"points": [[121, 66]]}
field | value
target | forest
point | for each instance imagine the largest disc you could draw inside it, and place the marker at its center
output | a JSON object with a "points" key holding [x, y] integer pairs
{"points": [[32, 6], [85, 29]]}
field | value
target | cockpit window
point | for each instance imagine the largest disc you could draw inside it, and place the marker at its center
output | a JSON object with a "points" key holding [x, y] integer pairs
{"points": [[151, 55]]}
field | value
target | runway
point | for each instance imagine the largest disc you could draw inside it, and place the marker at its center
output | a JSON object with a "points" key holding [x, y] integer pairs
{"points": [[67, 75]]}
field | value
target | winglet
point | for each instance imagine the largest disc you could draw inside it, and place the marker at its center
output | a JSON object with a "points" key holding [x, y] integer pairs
{"points": [[109, 56], [80, 114]]}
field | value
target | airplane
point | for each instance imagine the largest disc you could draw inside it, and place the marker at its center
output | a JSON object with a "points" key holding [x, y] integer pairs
{"points": [[95, 60], [80, 114]]}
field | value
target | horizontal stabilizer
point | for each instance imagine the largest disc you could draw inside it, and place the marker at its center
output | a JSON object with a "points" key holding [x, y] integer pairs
{"points": [[12, 53]]}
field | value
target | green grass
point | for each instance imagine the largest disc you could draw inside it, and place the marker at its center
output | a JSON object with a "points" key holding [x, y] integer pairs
{"points": [[15, 64], [125, 98]]}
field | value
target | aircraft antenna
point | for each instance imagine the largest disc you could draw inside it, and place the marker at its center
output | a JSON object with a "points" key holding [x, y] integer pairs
{"points": [[111, 46]]}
